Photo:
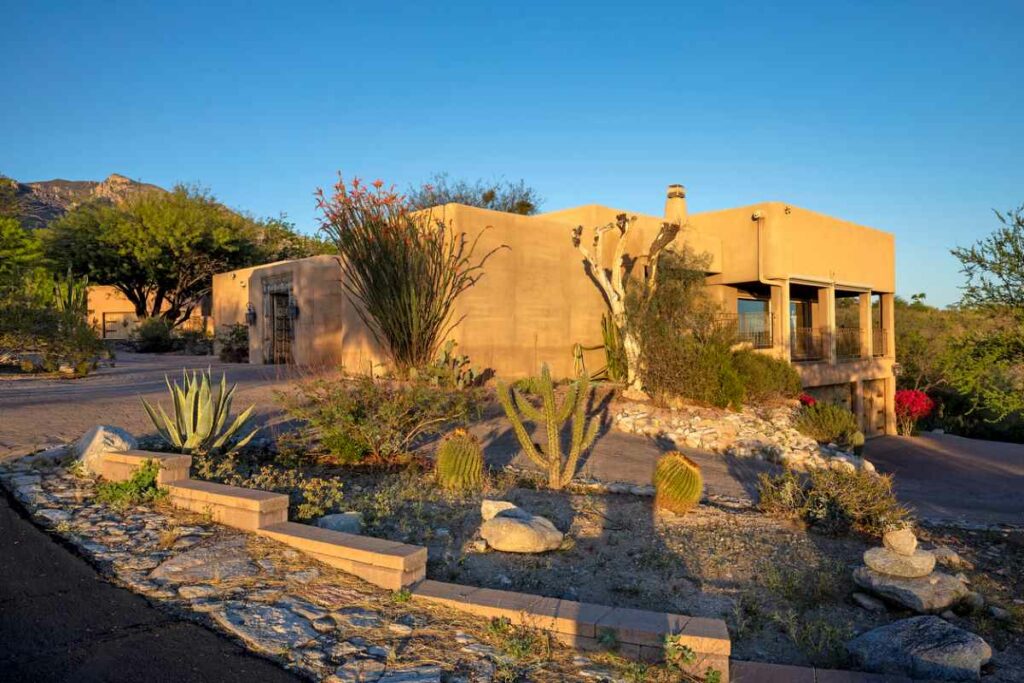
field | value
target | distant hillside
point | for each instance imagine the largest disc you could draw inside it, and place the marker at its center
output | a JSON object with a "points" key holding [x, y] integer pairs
{"points": [[39, 203]]}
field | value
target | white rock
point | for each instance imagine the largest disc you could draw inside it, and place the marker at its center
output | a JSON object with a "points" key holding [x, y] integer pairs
{"points": [[901, 541], [489, 509], [99, 440], [516, 531]]}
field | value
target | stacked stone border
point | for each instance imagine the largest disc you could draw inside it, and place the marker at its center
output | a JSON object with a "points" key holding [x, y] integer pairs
{"points": [[638, 634]]}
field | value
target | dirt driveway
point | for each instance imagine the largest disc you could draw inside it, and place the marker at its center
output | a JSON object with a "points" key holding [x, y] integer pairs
{"points": [[36, 412], [949, 477]]}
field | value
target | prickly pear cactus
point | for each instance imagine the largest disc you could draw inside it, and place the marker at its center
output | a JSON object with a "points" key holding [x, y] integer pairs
{"points": [[678, 483], [460, 462]]}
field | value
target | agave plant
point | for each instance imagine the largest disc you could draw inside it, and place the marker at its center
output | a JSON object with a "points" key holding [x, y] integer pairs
{"points": [[201, 413]]}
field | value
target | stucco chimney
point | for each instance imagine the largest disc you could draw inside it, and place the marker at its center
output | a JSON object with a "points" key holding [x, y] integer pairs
{"points": [[675, 204]]}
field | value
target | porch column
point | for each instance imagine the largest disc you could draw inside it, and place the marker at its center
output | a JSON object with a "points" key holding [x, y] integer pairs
{"points": [[780, 320], [888, 304], [827, 311], [865, 325]]}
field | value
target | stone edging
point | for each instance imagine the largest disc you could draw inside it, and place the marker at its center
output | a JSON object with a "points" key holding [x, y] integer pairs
{"points": [[638, 634]]}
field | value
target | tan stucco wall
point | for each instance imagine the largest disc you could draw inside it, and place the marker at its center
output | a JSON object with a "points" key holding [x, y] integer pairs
{"points": [[109, 310], [535, 301]]}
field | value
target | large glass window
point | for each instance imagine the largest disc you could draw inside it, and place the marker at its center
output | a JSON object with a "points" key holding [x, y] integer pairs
{"points": [[754, 322]]}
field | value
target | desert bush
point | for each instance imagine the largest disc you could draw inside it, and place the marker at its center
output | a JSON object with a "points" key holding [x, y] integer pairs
{"points": [[765, 378], [678, 483], [560, 469], [140, 488], [827, 423], [460, 462], [194, 342], [153, 335], [912, 405], [402, 270], [834, 501], [233, 343], [308, 496], [201, 413], [449, 370], [372, 420]]}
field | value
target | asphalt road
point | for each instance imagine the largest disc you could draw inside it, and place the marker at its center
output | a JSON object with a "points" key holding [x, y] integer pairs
{"points": [[59, 621]]}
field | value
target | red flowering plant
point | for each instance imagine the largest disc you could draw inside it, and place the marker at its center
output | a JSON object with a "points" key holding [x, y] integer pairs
{"points": [[402, 269], [911, 405], [807, 400]]}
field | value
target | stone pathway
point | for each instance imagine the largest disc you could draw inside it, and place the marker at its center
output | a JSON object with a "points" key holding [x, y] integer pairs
{"points": [[311, 618]]}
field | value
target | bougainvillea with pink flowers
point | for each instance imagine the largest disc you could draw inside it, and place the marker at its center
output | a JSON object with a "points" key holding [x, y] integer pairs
{"points": [[807, 400], [912, 405]]}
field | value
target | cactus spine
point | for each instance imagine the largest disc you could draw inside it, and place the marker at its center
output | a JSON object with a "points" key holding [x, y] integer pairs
{"points": [[460, 462], [677, 483], [560, 468]]}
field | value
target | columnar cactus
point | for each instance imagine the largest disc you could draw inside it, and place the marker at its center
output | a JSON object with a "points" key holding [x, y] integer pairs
{"points": [[560, 469], [677, 483], [460, 462]]}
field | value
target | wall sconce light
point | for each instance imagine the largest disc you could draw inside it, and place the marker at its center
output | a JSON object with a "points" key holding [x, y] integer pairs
{"points": [[250, 314]]}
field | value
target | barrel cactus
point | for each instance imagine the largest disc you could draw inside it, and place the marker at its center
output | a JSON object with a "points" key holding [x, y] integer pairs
{"points": [[857, 442], [677, 483], [460, 462]]}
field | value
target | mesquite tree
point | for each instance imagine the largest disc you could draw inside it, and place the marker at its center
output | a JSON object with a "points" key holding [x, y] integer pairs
{"points": [[612, 281], [403, 270]]}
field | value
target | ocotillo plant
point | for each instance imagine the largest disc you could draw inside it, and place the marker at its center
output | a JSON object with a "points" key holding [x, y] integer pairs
{"points": [[560, 468]]}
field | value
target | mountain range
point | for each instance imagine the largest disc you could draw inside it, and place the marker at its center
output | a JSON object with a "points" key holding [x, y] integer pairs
{"points": [[38, 203]]}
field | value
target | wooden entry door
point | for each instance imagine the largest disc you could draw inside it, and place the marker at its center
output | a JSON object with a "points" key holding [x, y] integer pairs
{"points": [[280, 329], [873, 418]]}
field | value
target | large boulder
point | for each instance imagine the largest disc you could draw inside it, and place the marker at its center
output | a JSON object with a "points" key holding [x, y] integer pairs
{"points": [[933, 593], [922, 647], [913, 566], [514, 530], [99, 440]]}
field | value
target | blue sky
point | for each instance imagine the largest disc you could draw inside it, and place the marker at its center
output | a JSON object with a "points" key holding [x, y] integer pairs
{"points": [[903, 116]]}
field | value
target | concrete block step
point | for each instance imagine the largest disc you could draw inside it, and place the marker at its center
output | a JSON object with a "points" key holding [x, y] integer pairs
{"points": [[248, 509], [384, 563], [121, 465]]}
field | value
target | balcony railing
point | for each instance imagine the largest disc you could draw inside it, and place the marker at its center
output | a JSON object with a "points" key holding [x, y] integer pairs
{"points": [[879, 341], [752, 328], [807, 344], [848, 343]]}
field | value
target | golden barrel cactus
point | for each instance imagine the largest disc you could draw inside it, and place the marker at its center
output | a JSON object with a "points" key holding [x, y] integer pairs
{"points": [[678, 483], [460, 462]]}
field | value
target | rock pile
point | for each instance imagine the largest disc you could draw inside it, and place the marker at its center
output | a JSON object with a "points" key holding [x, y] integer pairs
{"points": [[901, 572], [765, 434]]}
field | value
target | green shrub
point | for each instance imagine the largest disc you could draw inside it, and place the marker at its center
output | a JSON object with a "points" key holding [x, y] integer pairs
{"points": [[460, 462], [308, 496], [194, 342], [827, 423], [140, 488], [765, 378], [834, 501], [153, 335], [449, 370], [373, 420], [233, 344]]}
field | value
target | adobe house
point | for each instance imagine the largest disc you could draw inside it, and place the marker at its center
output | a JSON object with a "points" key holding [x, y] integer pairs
{"points": [[802, 286], [112, 315]]}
